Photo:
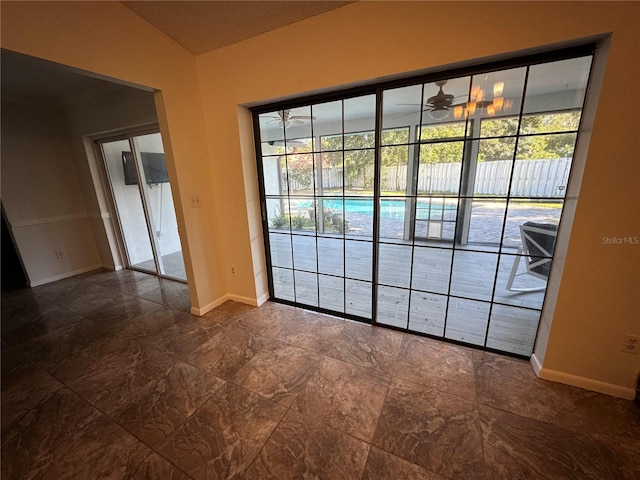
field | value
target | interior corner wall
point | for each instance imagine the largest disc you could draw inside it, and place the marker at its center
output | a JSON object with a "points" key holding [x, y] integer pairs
{"points": [[108, 39], [361, 42], [42, 197]]}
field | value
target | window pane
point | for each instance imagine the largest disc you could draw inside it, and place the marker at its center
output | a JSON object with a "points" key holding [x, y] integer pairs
{"points": [[331, 293], [495, 94], [306, 288], [273, 173], [300, 174], [513, 329], [302, 211], [400, 107], [542, 165], [467, 320], [439, 170], [557, 85], [431, 269], [281, 250], [304, 252], [359, 216], [359, 258], [520, 212], [485, 223], [360, 116], [331, 256], [327, 125], [393, 306], [358, 298], [427, 313], [515, 286], [393, 213], [394, 265], [394, 170], [358, 171], [332, 178], [278, 214], [440, 101], [473, 274], [283, 283]]}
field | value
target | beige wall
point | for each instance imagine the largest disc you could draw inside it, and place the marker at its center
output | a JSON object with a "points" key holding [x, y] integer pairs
{"points": [[41, 194], [598, 296], [210, 152]]}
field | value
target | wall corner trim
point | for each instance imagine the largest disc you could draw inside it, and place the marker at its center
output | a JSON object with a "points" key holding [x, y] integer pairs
{"points": [[216, 303], [586, 383]]}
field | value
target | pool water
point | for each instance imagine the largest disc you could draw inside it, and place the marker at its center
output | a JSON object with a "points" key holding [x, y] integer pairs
{"points": [[391, 208]]}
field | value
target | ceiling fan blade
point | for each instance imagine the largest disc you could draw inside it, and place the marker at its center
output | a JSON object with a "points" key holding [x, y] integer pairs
{"points": [[407, 114]]}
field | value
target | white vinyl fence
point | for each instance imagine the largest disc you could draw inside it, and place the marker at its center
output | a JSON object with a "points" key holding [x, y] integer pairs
{"points": [[531, 178]]}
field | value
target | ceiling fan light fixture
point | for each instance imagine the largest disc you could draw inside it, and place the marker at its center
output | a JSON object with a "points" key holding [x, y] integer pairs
{"points": [[438, 114]]}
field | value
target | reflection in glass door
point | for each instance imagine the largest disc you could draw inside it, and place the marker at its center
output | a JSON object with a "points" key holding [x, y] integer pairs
{"points": [[142, 197]]}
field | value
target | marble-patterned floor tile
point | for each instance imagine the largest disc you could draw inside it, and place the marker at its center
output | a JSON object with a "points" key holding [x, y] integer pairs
{"points": [[623, 464], [21, 310], [612, 420], [518, 447], [268, 319], [437, 365], [183, 337], [367, 346], [344, 396], [154, 412], [148, 323], [181, 303], [227, 352], [436, 430], [278, 371], [155, 467], [229, 312], [109, 374], [61, 292], [224, 435], [301, 447], [21, 395], [93, 298], [40, 427], [164, 293], [311, 331], [46, 323], [50, 350], [511, 385], [127, 308], [102, 449], [385, 466]]}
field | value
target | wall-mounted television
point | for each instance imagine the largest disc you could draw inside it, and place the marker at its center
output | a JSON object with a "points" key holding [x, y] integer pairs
{"points": [[154, 165]]}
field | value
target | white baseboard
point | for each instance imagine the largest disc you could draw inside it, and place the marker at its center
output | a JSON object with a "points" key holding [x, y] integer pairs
{"points": [[263, 299], [236, 298], [587, 383], [62, 276], [535, 363]]}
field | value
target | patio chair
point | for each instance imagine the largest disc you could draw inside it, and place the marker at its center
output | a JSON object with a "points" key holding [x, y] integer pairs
{"points": [[538, 242]]}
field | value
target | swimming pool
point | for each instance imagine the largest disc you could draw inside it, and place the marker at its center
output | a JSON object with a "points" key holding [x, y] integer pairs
{"points": [[389, 208]]}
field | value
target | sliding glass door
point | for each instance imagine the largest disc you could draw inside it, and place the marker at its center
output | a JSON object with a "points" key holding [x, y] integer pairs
{"points": [[141, 191], [431, 205]]}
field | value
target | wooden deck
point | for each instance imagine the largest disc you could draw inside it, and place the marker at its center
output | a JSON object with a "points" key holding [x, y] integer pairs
{"points": [[451, 293]]}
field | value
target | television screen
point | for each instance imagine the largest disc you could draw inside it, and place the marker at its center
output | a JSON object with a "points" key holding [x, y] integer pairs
{"points": [[154, 165]]}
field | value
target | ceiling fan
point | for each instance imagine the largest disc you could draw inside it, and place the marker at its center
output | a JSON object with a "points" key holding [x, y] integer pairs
{"points": [[286, 119], [436, 106]]}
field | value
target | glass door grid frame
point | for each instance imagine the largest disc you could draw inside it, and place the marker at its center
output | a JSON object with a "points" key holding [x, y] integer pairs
{"points": [[377, 89], [129, 135]]}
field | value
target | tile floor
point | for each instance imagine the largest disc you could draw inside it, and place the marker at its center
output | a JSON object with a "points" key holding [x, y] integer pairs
{"points": [[106, 375]]}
